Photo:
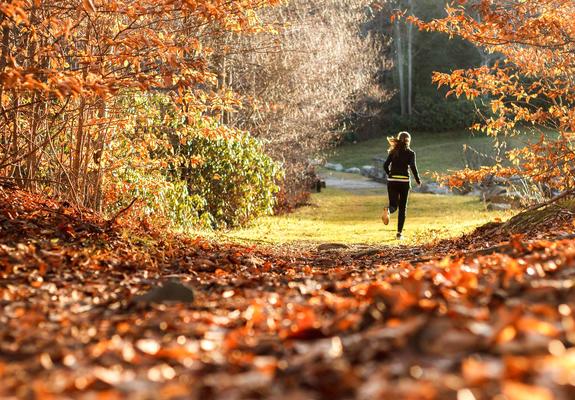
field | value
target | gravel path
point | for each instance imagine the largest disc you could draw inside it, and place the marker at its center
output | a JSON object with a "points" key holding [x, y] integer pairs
{"points": [[357, 183]]}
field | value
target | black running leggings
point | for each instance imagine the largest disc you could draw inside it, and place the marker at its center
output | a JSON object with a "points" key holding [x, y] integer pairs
{"points": [[398, 193]]}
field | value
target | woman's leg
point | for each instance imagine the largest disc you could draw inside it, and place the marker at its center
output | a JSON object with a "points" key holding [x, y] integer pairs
{"points": [[403, 194], [393, 195]]}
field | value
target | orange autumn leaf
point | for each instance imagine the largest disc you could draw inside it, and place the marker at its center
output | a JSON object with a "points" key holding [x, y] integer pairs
{"points": [[89, 6], [518, 391]]}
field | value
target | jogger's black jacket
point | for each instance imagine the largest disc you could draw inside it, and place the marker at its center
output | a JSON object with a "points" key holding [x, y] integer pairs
{"points": [[400, 161], [398, 182]]}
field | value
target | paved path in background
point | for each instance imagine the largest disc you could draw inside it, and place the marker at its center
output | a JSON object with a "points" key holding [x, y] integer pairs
{"points": [[357, 183]]}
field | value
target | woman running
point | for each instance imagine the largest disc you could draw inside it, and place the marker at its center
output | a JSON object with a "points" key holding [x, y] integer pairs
{"points": [[398, 184]]}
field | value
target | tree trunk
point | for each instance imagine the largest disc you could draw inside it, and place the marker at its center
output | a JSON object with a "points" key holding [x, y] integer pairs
{"points": [[97, 201], [400, 66], [223, 78], [35, 101], [410, 62], [16, 171], [79, 152], [3, 63], [80, 136], [32, 142]]}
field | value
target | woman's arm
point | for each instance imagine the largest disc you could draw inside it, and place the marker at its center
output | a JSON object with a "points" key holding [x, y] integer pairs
{"points": [[387, 164], [413, 166]]}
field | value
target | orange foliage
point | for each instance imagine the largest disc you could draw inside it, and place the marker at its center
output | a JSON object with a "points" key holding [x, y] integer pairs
{"points": [[532, 84], [69, 70], [85, 47]]}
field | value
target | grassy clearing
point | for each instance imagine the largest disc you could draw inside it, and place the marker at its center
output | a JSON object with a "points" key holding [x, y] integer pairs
{"points": [[353, 216], [343, 216], [438, 152]]}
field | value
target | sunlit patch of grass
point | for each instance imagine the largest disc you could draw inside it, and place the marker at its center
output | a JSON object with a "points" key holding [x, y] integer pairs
{"points": [[353, 217]]}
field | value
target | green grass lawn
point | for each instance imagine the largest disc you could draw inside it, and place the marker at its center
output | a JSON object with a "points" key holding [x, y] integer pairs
{"points": [[354, 218], [438, 152]]}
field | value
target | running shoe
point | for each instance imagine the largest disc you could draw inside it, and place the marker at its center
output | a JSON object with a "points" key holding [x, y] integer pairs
{"points": [[385, 216], [399, 236]]}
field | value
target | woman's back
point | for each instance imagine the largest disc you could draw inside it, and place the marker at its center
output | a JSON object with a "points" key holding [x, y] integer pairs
{"points": [[398, 162]]}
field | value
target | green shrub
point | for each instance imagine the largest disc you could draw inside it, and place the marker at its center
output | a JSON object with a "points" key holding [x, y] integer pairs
{"points": [[194, 172], [433, 115], [233, 176], [163, 199]]}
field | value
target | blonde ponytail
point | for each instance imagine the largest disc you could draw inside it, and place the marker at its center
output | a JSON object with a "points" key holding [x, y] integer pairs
{"points": [[401, 142]]}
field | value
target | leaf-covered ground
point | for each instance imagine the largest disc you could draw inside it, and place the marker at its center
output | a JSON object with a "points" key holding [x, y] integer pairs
{"points": [[489, 315]]}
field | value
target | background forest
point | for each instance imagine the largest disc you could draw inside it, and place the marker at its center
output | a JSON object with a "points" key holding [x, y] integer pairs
{"points": [[206, 113], [210, 115]]}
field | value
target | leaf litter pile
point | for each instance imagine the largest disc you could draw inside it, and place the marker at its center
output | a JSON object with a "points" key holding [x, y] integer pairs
{"points": [[93, 310]]}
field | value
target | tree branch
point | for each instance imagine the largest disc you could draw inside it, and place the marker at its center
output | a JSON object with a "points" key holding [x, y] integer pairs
{"points": [[110, 222]]}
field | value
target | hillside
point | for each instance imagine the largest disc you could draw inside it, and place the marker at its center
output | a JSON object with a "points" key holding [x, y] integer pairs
{"points": [[436, 152]]}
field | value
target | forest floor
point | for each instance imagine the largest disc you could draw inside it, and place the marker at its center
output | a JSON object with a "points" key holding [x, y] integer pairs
{"points": [[82, 315]]}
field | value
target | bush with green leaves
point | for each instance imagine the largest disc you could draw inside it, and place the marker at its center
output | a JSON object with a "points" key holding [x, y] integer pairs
{"points": [[233, 176], [435, 115], [159, 197], [198, 172]]}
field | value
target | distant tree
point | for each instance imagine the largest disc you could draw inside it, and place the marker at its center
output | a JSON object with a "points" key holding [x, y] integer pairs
{"points": [[403, 39], [415, 56], [316, 71]]}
